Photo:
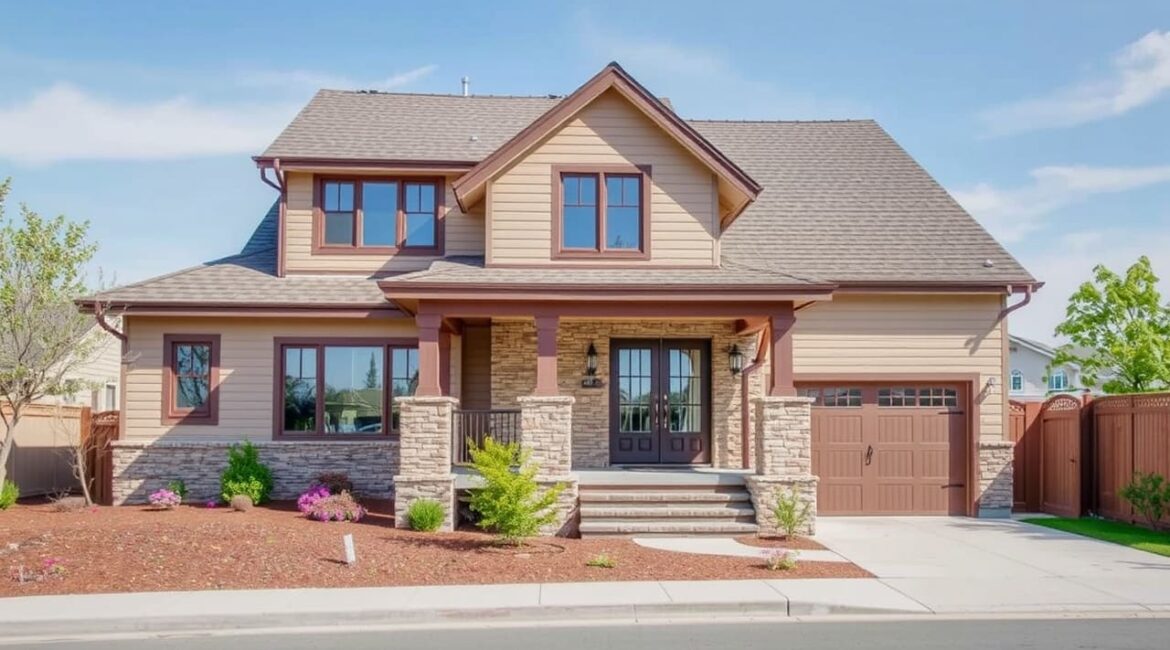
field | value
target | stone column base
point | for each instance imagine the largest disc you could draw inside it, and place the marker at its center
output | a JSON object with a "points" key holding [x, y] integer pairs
{"points": [[566, 507], [408, 489], [996, 487], [765, 490]]}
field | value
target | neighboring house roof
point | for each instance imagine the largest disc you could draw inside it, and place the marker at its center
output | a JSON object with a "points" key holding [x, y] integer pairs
{"points": [[842, 203], [1033, 345]]}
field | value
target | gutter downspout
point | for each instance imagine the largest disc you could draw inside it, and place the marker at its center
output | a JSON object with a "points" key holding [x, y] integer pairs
{"points": [[1003, 313], [282, 207], [745, 416]]}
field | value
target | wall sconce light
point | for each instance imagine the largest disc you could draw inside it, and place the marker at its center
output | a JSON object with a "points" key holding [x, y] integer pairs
{"points": [[735, 358], [591, 360]]}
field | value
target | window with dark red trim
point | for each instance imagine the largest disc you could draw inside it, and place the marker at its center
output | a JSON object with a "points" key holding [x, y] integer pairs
{"points": [[340, 389], [378, 215], [190, 378], [601, 213]]}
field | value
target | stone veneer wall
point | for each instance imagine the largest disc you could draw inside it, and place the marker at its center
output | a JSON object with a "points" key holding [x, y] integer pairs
{"points": [[514, 376], [425, 456], [996, 494], [143, 467], [546, 432], [783, 442]]}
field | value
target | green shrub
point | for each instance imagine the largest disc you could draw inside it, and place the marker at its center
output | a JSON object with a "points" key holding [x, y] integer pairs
{"points": [[510, 503], [246, 475], [601, 561], [8, 494], [791, 513], [426, 515], [1149, 494], [178, 487]]}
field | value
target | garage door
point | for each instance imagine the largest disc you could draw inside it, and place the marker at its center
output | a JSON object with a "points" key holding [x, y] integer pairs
{"points": [[889, 449]]}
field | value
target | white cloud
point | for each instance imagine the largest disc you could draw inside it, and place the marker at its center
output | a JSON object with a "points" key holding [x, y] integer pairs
{"points": [[311, 80], [1013, 213], [1140, 74], [64, 122], [1066, 261]]}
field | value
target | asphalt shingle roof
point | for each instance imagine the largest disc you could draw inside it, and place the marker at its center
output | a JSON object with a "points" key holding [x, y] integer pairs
{"points": [[842, 202]]}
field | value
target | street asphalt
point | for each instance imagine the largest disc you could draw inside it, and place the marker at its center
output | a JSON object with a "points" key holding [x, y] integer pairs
{"points": [[1052, 634]]}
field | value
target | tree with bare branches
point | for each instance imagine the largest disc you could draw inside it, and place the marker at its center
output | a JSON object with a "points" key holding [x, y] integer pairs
{"points": [[44, 339]]}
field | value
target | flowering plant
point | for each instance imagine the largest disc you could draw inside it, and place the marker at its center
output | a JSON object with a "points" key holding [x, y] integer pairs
{"points": [[165, 499], [336, 507], [315, 493]]}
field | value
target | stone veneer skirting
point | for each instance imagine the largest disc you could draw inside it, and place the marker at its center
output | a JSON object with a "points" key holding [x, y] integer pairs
{"points": [[143, 467], [996, 494]]}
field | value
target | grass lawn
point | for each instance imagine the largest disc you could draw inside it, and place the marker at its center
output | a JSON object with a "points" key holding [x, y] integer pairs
{"points": [[1111, 531]]}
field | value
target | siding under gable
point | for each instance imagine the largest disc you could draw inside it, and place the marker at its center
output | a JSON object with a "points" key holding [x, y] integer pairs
{"points": [[684, 219]]}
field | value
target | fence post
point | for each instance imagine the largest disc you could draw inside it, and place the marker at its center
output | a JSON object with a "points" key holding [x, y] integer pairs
{"points": [[1033, 452]]}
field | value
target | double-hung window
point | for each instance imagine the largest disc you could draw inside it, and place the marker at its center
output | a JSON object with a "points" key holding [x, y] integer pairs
{"points": [[190, 378], [1058, 380], [601, 212], [379, 215], [343, 387]]}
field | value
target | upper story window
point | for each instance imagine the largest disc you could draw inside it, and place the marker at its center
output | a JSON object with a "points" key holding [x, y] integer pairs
{"points": [[601, 212], [1017, 379], [190, 375], [1058, 380], [378, 215]]}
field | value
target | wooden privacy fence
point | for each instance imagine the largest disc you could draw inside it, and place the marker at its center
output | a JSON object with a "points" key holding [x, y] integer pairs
{"points": [[1073, 456], [46, 439], [99, 462]]}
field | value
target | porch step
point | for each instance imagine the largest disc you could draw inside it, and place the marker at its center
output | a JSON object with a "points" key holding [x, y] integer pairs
{"points": [[677, 510], [663, 527]]}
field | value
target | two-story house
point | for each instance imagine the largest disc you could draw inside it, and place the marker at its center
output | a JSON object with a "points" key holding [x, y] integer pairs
{"points": [[783, 305], [1032, 376]]}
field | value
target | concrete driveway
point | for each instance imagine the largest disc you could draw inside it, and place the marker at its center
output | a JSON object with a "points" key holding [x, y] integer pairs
{"points": [[955, 564]]}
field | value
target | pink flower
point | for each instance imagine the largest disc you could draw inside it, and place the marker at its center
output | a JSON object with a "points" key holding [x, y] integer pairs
{"points": [[213, 504]]}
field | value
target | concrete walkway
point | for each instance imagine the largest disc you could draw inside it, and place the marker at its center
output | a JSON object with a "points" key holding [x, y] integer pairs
{"points": [[727, 546], [957, 565]]}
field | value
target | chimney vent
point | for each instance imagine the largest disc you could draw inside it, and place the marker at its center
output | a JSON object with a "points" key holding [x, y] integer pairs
{"points": [[466, 86]]}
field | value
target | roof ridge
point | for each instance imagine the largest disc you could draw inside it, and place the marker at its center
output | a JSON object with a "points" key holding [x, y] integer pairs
{"points": [[189, 269], [825, 121], [373, 92]]}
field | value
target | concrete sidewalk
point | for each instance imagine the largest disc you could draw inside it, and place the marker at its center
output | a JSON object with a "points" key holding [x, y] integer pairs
{"points": [[175, 611]]}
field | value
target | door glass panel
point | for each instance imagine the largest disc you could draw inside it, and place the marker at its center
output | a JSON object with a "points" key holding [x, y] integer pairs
{"points": [[634, 390], [685, 399]]}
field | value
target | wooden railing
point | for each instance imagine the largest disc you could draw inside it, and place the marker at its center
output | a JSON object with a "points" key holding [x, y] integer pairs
{"points": [[469, 428]]}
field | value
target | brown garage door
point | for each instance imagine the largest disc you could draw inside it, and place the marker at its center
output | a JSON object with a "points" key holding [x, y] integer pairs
{"points": [[890, 448]]}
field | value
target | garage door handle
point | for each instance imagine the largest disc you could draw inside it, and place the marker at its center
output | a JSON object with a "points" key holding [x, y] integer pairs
{"points": [[869, 454], [954, 485]]}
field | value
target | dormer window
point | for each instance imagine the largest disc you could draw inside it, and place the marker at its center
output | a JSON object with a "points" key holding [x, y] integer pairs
{"points": [[378, 215], [601, 211]]}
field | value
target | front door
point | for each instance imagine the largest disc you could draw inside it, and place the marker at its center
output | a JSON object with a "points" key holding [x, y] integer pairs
{"points": [[660, 405]]}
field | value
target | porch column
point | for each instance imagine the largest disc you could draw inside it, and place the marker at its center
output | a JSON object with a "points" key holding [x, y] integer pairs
{"points": [[783, 458], [424, 466], [546, 355], [782, 383], [546, 433], [429, 356]]}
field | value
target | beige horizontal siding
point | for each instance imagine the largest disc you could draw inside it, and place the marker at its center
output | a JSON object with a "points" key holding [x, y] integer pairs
{"points": [[907, 334], [245, 376], [683, 226], [464, 236]]}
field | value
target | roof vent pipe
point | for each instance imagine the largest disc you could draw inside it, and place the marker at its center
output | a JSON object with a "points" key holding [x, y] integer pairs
{"points": [[466, 86]]}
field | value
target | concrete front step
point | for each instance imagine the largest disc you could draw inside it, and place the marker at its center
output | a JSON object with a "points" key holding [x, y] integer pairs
{"points": [[664, 496], [672, 527], [656, 510]]}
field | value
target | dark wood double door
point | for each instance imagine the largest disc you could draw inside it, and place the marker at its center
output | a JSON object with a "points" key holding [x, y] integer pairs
{"points": [[660, 401]]}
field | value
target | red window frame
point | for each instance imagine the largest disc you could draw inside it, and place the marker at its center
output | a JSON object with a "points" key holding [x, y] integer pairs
{"points": [[601, 172], [208, 414], [355, 247]]}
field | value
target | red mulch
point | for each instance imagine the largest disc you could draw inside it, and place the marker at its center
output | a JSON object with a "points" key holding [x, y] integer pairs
{"points": [[796, 543], [135, 548]]}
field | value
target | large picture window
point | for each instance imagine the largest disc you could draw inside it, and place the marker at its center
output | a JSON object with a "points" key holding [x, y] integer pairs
{"points": [[340, 388], [601, 212], [190, 378], [378, 215]]}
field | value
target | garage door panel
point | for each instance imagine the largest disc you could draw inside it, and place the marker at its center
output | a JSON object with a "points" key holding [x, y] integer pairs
{"points": [[917, 434]]}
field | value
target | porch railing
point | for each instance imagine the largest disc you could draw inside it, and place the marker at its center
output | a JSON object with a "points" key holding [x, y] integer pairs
{"points": [[469, 428]]}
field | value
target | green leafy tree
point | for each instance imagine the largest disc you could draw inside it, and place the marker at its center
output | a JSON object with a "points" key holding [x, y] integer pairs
{"points": [[1119, 330], [510, 503], [43, 336]]}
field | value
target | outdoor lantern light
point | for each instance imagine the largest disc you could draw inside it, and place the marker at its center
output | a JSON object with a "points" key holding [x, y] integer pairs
{"points": [[591, 360], [736, 359]]}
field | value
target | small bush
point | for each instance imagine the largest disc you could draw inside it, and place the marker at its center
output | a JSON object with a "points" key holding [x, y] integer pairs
{"points": [[8, 494], [426, 515], [311, 496], [246, 475], [336, 482], [601, 561], [1149, 494], [165, 499], [337, 507], [241, 503], [68, 503], [178, 487], [781, 560], [510, 503], [791, 513]]}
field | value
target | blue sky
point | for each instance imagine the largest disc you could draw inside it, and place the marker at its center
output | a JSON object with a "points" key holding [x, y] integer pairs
{"points": [[1049, 121]]}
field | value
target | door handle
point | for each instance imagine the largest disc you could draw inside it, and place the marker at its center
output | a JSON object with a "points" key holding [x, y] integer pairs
{"points": [[869, 454]]}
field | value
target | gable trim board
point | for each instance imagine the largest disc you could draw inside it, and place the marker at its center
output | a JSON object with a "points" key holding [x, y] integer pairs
{"points": [[469, 186]]}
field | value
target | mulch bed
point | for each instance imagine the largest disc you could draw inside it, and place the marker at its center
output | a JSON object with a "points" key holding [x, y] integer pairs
{"points": [[135, 548], [797, 543]]}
